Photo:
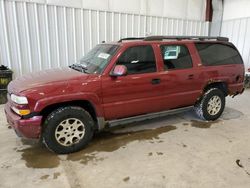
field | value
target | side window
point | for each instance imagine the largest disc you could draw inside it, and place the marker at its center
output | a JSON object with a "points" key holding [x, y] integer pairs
{"points": [[213, 54], [138, 59], [176, 57]]}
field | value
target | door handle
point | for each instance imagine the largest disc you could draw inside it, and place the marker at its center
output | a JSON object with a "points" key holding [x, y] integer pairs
{"points": [[190, 77], [155, 81]]}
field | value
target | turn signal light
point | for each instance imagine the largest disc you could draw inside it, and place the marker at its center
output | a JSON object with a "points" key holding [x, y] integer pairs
{"points": [[22, 112]]}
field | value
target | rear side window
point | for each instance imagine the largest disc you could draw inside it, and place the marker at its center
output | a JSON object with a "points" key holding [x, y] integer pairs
{"points": [[138, 59], [218, 54], [176, 57]]}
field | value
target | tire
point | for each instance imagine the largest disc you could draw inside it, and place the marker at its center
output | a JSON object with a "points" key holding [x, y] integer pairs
{"points": [[211, 105], [67, 130]]}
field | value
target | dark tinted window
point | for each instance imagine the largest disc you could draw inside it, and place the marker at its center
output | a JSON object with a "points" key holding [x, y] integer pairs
{"points": [[176, 57], [218, 54], [138, 59]]}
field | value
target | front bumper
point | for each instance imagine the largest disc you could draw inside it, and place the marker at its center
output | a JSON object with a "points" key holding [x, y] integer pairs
{"points": [[28, 128]]}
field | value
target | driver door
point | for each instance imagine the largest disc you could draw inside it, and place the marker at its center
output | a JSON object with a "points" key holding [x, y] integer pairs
{"points": [[139, 92]]}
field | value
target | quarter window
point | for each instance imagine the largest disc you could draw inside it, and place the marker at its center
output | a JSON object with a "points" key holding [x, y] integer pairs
{"points": [[218, 54], [176, 57], [138, 59]]}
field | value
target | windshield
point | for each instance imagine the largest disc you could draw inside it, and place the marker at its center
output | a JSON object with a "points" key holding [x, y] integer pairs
{"points": [[96, 59]]}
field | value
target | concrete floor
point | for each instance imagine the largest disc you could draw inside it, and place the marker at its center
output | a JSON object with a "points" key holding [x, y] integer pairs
{"points": [[174, 151]]}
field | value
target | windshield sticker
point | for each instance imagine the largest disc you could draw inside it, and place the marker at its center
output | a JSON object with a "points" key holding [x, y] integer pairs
{"points": [[103, 55]]}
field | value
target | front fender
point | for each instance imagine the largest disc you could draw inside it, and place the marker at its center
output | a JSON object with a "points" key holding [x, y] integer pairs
{"points": [[92, 98]]}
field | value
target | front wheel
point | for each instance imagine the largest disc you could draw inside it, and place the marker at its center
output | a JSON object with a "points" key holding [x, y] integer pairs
{"points": [[212, 105], [68, 129]]}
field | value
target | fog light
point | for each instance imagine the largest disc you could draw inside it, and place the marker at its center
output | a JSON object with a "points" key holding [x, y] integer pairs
{"points": [[22, 112]]}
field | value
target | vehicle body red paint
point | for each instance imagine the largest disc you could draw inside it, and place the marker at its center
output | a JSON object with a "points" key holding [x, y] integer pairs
{"points": [[122, 96]]}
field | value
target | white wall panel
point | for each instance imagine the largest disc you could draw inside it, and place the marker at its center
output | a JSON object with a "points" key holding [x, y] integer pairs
{"points": [[238, 31], [236, 26], [235, 9], [185, 9], [35, 36]]}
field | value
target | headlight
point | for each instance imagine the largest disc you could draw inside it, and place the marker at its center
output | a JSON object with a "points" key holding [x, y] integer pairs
{"points": [[19, 99]]}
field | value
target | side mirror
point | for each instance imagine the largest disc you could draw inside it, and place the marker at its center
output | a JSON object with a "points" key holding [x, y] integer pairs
{"points": [[119, 70]]}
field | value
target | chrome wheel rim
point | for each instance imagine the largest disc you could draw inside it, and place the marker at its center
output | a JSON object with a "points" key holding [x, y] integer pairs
{"points": [[214, 105], [70, 131]]}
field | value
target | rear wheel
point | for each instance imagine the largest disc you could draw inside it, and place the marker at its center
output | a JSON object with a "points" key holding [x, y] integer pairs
{"points": [[68, 129], [212, 105]]}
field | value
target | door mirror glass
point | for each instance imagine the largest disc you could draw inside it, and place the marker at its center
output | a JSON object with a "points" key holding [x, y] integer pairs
{"points": [[119, 70]]}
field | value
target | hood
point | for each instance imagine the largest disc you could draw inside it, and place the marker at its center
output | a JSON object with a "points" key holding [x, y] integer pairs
{"points": [[41, 78]]}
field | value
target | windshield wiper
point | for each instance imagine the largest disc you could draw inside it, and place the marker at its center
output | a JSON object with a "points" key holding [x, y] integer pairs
{"points": [[79, 67]]}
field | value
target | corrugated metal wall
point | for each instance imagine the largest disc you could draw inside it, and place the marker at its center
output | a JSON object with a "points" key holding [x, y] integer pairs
{"points": [[38, 36], [238, 31]]}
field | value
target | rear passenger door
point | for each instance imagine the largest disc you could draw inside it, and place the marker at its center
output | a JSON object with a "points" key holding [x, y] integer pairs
{"points": [[181, 75]]}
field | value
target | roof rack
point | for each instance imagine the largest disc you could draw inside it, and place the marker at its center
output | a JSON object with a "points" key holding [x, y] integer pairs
{"points": [[131, 38], [152, 38]]}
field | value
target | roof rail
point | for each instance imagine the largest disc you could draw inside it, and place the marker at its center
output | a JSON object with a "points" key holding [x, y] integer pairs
{"points": [[202, 38], [131, 38], [157, 37]]}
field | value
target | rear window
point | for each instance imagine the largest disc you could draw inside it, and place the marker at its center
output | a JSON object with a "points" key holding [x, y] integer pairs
{"points": [[218, 54]]}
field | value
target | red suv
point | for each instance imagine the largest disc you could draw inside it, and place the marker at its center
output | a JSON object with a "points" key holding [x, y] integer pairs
{"points": [[122, 82]]}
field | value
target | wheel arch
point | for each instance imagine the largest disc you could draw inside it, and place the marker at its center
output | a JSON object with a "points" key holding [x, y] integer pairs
{"points": [[85, 104], [222, 85]]}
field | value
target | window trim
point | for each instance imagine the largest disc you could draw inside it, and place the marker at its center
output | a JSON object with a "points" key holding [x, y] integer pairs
{"points": [[164, 69], [132, 46]]}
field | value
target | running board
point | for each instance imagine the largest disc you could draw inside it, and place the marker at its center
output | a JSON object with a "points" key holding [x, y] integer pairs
{"points": [[128, 120]]}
